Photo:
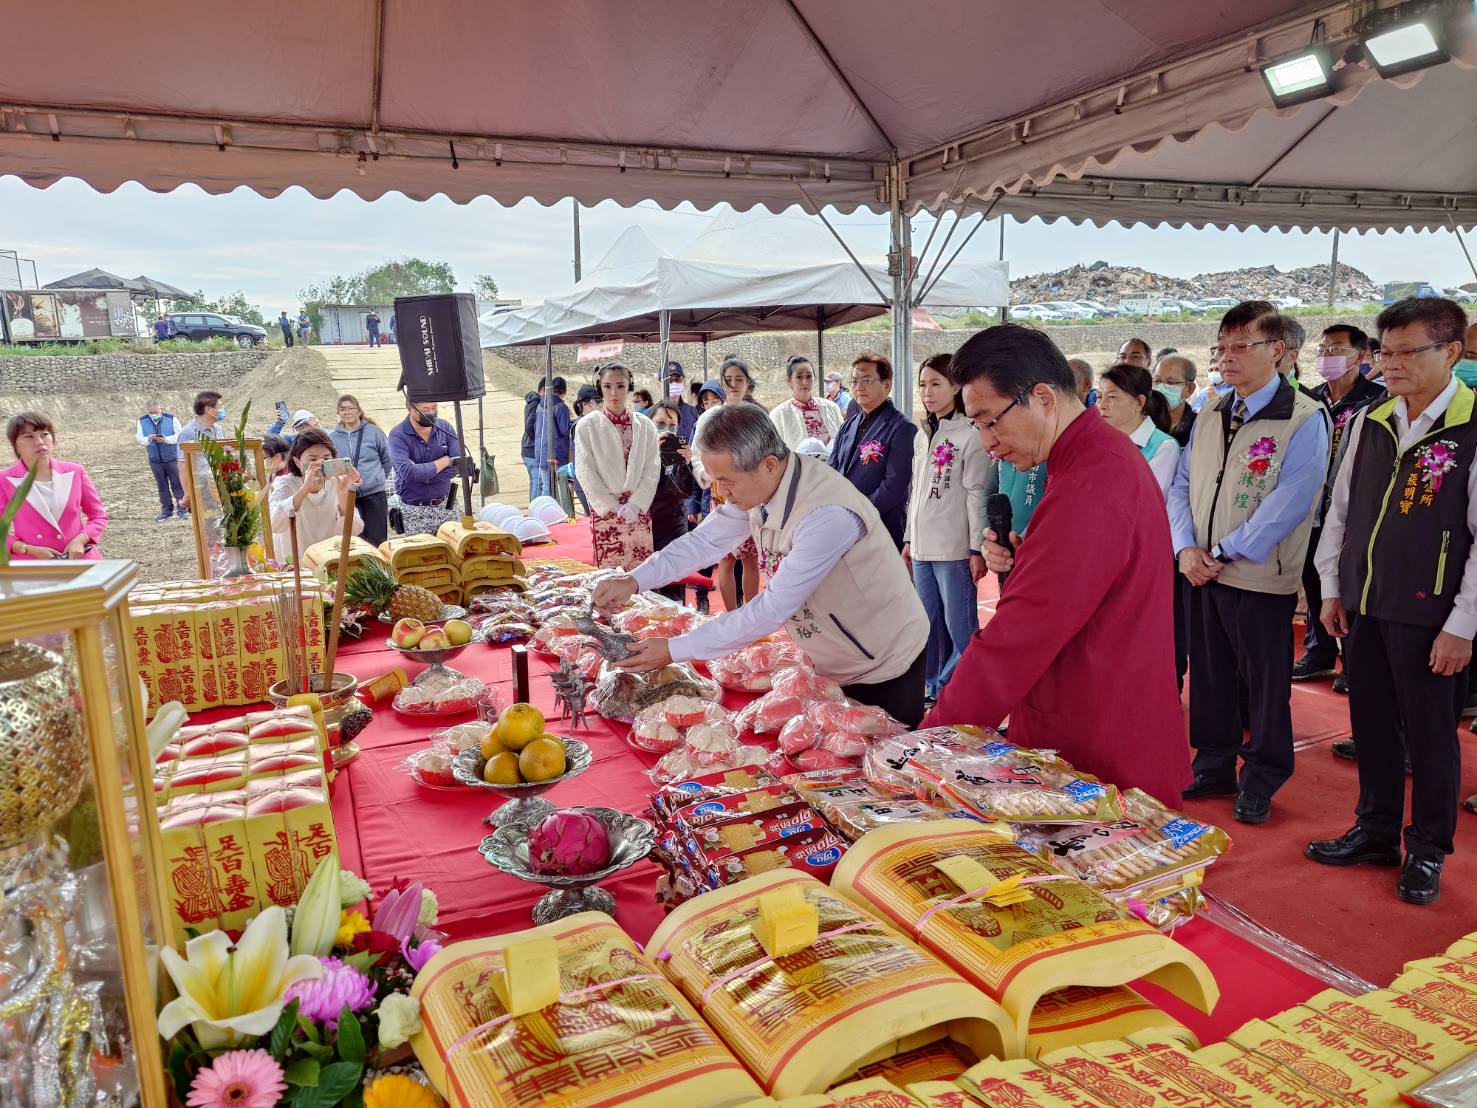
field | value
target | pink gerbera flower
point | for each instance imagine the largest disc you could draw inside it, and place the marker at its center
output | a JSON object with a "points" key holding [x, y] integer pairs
{"points": [[238, 1079]]}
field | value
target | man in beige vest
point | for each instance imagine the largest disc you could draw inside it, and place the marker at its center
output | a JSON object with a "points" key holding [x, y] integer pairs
{"points": [[1240, 511], [834, 575]]}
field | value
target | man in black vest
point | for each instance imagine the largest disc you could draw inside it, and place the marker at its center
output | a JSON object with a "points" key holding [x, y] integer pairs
{"points": [[158, 433], [1398, 554]]}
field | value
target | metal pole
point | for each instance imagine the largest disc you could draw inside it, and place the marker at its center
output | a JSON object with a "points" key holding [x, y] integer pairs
{"points": [[820, 347], [576, 241], [900, 264], [664, 322], [705, 357], [1004, 308], [551, 467], [816, 210], [481, 452], [466, 478], [1457, 231], [1333, 267]]}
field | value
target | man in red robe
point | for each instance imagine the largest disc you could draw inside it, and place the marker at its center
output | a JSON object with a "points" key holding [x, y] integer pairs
{"points": [[1080, 652]]}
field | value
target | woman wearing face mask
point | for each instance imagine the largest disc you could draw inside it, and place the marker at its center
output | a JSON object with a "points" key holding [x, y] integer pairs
{"points": [[1174, 379], [874, 448], [737, 573], [945, 521], [319, 502], [1130, 403], [805, 415], [616, 463]]}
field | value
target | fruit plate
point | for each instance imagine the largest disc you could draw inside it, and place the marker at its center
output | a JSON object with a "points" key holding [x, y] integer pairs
{"points": [[522, 800], [448, 611], [435, 659], [631, 840]]}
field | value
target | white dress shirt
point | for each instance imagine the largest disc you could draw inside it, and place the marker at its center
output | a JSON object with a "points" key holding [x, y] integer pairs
{"points": [[1165, 460], [1463, 619], [819, 541]]}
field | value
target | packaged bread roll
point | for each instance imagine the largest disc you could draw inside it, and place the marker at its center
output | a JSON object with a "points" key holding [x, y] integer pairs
{"points": [[803, 1020], [617, 1032], [1036, 931]]}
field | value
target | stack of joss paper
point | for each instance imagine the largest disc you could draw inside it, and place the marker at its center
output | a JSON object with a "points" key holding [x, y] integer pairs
{"points": [[806, 987], [572, 1013], [424, 560], [1013, 926], [484, 557], [323, 557]]}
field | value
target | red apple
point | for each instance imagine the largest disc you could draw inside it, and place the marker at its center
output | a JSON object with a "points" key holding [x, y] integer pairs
{"points": [[407, 633]]}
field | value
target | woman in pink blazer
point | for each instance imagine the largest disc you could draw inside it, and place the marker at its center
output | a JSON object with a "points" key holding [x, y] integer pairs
{"points": [[50, 524]]}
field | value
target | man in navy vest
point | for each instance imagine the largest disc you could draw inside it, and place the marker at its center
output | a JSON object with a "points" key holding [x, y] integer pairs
{"points": [[158, 433], [1398, 566]]}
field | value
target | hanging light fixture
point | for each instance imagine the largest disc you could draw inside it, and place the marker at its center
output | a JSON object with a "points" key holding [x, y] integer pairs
{"points": [[1407, 37], [1296, 78]]}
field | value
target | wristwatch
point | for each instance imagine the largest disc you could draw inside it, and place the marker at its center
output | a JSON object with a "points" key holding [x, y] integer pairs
{"points": [[19, 547], [1220, 555]]}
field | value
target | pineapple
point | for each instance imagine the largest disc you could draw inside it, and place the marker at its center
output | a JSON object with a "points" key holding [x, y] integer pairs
{"points": [[375, 584]]}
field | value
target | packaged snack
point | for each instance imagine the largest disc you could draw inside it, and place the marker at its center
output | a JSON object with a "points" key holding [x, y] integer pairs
{"points": [[1001, 781], [721, 838], [887, 760], [711, 809], [460, 737], [620, 694], [752, 668], [442, 695], [506, 634], [430, 766], [1151, 847], [678, 794], [683, 763]]}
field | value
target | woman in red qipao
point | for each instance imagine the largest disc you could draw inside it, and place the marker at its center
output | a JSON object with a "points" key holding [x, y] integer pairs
{"points": [[1080, 651]]}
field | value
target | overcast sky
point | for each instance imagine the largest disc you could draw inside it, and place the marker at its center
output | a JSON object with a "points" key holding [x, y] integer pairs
{"points": [[271, 249]]}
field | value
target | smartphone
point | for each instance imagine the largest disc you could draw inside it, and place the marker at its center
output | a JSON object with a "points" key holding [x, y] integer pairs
{"points": [[337, 467], [282, 409]]}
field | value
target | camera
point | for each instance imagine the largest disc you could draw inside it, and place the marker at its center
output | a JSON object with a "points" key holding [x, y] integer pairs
{"points": [[337, 467], [465, 466]]}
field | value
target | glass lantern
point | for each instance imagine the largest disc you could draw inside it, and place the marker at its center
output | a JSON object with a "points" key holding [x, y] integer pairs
{"points": [[81, 890], [213, 558]]}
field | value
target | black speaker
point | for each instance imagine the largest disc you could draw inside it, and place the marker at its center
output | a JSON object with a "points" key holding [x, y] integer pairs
{"points": [[440, 347]]}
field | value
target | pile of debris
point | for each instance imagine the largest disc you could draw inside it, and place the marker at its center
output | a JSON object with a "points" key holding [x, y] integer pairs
{"points": [[1106, 283]]}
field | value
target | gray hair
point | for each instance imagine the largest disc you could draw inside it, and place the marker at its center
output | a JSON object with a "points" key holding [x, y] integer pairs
{"points": [[1183, 362], [742, 431], [1293, 333]]}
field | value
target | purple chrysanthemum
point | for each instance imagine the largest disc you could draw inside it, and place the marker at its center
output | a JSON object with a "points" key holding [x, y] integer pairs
{"points": [[322, 999]]}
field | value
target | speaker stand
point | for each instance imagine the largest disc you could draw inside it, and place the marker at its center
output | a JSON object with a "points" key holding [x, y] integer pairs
{"points": [[466, 478]]}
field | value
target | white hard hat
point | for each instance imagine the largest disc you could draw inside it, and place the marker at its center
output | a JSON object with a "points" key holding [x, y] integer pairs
{"points": [[499, 514], [814, 447], [531, 531], [548, 509]]}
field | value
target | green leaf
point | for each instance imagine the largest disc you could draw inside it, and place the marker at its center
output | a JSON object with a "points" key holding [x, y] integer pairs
{"points": [[310, 1029], [17, 498], [282, 1033], [361, 961], [179, 1070], [321, 1051], [350, 1037], [304, 1071], [334, 1083], [355, 1099]]}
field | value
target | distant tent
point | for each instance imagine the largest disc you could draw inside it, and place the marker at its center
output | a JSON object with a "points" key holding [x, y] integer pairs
{"points": [[102, 279]]}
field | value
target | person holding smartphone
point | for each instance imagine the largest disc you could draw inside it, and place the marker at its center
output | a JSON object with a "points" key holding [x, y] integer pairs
{"points": [[315, 491]]}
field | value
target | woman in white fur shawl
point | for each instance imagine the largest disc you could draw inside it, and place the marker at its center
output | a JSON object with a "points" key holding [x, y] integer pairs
{"points": [[616, 462]]}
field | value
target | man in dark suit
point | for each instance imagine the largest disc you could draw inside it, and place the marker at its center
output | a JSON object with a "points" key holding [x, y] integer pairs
{"points": [[874, 447]]}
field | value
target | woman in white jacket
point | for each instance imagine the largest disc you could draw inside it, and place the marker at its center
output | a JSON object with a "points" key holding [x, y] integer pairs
{"points": [[942, 533], [737, 572], [318, 502], [616, 463], [805, 415]]}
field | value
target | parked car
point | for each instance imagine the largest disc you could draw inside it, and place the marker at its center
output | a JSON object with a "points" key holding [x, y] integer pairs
{"points": [[1037, 312], [1285, 301], [199, 326], [1218, 304], [1099, 308], [1188, 307], [1069, 308]]}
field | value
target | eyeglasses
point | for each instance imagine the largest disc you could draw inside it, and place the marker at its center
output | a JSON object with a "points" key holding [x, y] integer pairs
{"points": [[1385, 357], [865, 382], [989, 424], [1333, 351], [1236, 349]]}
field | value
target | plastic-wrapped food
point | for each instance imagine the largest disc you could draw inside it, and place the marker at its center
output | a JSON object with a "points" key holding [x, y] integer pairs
{"points": [[508, 604], [752, 669], [552, 630], [831, 733], [805, 683], [793, 690], [444, 695], [506, 634], [647, 620], [887, 761], [567, 648], [1004, 782], [666, 726], [1151, 847], [460, 737], [620, 694], [430, 766], [853, 806], [682, 765], [709, 786]]}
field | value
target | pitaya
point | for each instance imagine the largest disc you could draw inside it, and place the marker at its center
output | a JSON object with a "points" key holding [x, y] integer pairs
{"points": [[568, 843]]}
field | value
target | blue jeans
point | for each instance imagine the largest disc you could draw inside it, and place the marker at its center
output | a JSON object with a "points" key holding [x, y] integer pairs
{"points": [[952, 603], [535, 477]]}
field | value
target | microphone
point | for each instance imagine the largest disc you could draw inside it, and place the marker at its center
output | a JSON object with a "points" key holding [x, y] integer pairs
{"points": [[997, 516]]}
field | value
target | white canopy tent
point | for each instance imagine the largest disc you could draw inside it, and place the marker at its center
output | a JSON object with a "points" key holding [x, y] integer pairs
{"points": [[743, 272]]}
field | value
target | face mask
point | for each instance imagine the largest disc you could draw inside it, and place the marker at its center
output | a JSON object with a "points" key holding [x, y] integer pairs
{"points": [[1174, 394], [1216, 380], [1332, 366], [1092, 395], [220, 415], [1466, 371], [425, 420]]}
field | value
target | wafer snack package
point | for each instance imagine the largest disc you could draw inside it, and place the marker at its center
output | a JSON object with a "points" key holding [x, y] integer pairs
{"points": [[1383, 1060], [1401, 1022], [748, 803], [672, 797], [1079, 1014], [616, 1033], [1319, 1066], [1025, 1083], [853, 805], [1151, 847], [886, 762], [802, 1020], [1011, 924], [814, 853], [1005, 782]]}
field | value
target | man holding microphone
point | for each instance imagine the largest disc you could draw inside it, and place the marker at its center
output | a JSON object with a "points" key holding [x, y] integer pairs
{"points": [[834, 575]]}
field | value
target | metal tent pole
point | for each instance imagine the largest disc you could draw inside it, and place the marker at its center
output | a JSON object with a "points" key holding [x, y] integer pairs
{"points": [[481, 452], [1333, 267], [1004, 308], [1457, 231], [820, 348], [899, 265], [550, 466], [705, 358], [577, 267], [664, 321]]}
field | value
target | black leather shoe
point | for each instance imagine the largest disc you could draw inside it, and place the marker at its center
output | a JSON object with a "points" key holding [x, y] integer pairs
{"points": [[1354, 847], [1209, 786], [1252, 809], [1345, 749], [1341, 683], [1420, 879], [1308, 668]]}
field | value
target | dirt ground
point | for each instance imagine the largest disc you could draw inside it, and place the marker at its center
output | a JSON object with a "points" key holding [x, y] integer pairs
{"points": [[96, 429]]}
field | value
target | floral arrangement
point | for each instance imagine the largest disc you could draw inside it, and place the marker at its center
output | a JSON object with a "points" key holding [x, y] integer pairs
{"points": [[306, 1018], [1435, 460], [241, 516], [1259, 455], [870, 451], [943, 455]]}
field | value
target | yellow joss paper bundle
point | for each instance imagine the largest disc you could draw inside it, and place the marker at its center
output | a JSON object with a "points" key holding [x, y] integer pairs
{"points": [[1327, 1069], [325, 555], [873, 1092], [1077, 1014], [1010, 923], [942, 1060], [1025, 1083], [409, 552], [493, 568], [434, 578], [483, 538], [599, 1026], [1118, 1071], [853, 993]]}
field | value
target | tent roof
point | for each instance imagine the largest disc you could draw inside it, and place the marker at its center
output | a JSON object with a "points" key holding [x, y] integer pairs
{"points": [[743, 272], [640, 100], [102, 279]]}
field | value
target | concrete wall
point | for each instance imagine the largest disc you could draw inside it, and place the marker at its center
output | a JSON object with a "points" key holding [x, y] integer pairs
{"points": [[127, 372], [766, 354]]}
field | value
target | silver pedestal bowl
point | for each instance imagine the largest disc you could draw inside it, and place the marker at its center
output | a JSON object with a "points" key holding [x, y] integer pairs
{"points": [[523, 803], [435, 659], [631, 839]]}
